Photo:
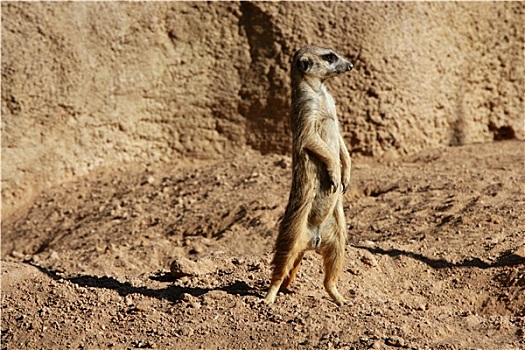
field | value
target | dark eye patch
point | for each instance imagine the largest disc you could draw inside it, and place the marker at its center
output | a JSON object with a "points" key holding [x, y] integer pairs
{"points": [[329, 57]]}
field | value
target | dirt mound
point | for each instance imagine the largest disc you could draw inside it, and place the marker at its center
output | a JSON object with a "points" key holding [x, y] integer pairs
{"points": [[89, 84], [435, 258]]}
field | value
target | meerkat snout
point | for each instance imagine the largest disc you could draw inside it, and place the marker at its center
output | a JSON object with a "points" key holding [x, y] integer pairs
{"points": [[344, 65]]}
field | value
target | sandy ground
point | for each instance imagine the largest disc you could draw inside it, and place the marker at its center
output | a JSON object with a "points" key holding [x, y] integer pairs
{"points": [[435, 258]]}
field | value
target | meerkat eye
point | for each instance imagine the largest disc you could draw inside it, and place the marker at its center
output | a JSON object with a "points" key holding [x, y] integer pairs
{"points": [[330, 58]]}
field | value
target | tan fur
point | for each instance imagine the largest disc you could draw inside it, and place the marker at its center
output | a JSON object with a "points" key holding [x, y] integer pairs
{"points": [[314, 217]]}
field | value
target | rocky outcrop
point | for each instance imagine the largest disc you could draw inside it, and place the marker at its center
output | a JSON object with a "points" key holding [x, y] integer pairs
{"points": [[86, 84]]}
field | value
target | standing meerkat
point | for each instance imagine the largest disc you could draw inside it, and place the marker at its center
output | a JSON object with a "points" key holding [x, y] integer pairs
{"points": [[314, 217]]}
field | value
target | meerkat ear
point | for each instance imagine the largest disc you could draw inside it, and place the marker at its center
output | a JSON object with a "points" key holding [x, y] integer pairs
{"points": [[304, 64]]}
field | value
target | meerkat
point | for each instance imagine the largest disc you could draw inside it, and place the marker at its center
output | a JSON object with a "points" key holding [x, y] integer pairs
{"points": [[314, 217]]}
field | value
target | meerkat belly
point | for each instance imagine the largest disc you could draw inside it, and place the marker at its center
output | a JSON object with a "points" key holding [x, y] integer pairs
{"points": [[323, 201], [329, 134], [328, 126]]}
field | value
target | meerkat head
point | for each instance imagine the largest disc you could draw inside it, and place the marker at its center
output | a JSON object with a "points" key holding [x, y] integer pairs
{"points": [[318, 62]]}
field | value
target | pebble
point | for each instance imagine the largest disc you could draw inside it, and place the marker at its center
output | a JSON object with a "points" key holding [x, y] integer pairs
{"points": [[197, 249], [368, 243], [421, 307], [181, 267], [281, 163], [186, 331], [54, 255], [128, 299], [17, 255], [195, 305], [369, 259], [395, 341], [215, 294], [376, 345], [238, 261], [186, 297]]}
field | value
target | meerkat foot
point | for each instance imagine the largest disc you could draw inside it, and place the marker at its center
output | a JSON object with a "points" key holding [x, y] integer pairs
{"points": [[272, 294], [269, 299], [342, 301], [336, 297]]}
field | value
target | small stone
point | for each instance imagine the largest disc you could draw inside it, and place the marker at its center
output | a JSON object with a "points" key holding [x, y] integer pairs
{"points": [[197, 249], [186, 331], [17, 255], [195, 305], [128, 299], [181, 267], [238, 261], [368, 243], [281, 163], [376, 345], [213, 296], [369, 259], [520, 251], [395, 341], [151, 180], [186, 297], [421, 307], [123, 127]]}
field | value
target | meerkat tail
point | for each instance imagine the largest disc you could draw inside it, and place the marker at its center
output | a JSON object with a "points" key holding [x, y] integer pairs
{"points": [[289, 249]]}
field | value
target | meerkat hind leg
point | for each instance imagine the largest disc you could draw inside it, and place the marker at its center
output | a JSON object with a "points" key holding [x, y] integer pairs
{"points": [[288, 280], [332, 251], [272, 292], [284, 263], [333, 263]]}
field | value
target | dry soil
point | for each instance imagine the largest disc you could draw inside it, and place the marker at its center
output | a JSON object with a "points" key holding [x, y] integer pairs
{"points": [[435, 258]]}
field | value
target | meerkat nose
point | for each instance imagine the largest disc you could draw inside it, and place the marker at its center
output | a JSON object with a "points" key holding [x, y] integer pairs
{"points": [[350, 66]]}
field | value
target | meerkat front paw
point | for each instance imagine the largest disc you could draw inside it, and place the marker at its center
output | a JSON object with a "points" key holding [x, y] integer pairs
{"points": [[333, 187], [345, 185], [334, 182], [345, 181]]}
